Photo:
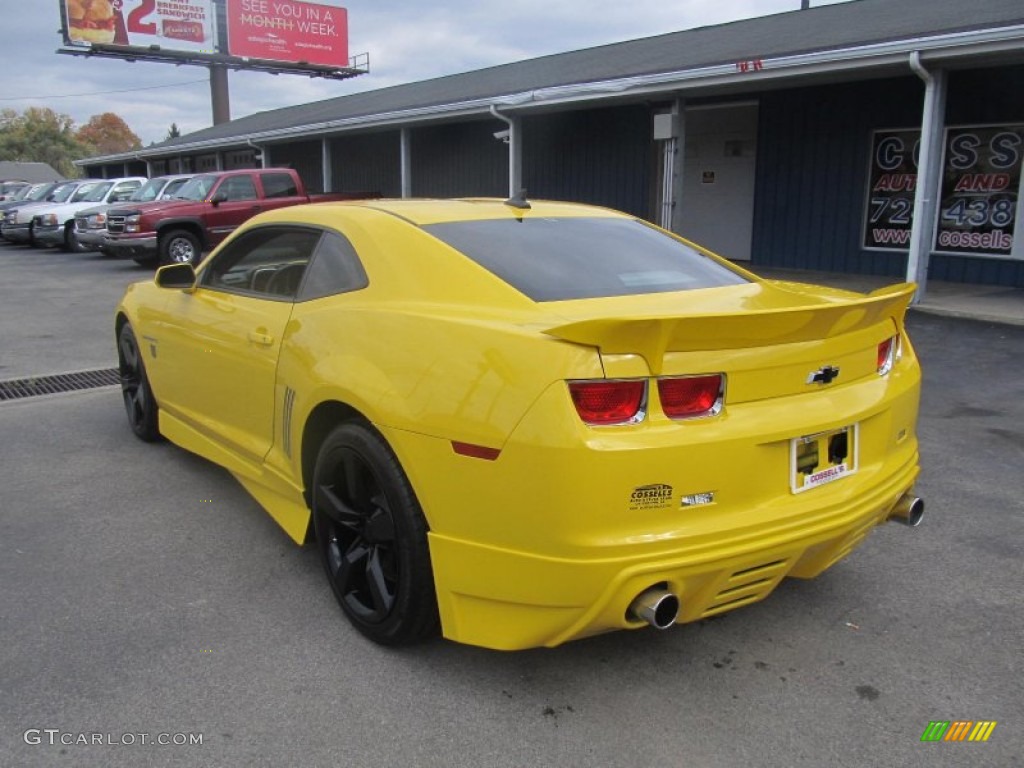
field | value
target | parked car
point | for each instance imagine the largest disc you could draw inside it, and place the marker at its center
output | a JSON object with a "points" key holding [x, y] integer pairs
{"points": [[91, 223], [206, 210], [10, 190], [18, 226], [55, 225], [34, 194], [523, 424]]}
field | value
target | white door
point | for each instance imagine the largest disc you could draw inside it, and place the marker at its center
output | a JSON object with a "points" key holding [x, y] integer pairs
{"points": [[717, 207]]}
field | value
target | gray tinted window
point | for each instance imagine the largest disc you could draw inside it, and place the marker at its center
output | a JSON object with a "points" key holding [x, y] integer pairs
{"points": [[335, 269], [552, 259]]}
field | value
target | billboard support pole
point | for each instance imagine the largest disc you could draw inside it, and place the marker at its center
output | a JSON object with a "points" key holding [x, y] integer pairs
{"points": [[220, 99]]}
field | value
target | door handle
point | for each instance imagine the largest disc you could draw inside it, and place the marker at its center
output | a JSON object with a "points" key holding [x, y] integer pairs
{"points": [[261, 338]]}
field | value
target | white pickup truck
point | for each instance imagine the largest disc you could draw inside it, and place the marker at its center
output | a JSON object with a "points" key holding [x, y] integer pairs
{"points": [[55, 225]]}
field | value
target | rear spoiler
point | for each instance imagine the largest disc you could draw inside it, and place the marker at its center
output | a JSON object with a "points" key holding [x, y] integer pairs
{"points": [[653, 336]]}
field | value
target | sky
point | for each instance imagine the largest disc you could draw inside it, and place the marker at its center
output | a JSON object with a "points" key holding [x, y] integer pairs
{"points": [[407, 41]]}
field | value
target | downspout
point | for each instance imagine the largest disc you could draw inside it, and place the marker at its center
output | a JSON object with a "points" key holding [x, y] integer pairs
{"points": [[928, 174], [515, 154], [260, 151]]}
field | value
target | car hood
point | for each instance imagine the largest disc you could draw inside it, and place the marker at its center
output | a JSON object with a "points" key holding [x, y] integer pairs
{"points": [[156, 207]]}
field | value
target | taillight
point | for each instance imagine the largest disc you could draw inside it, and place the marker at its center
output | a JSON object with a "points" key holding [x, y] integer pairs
{"points": [[609, 402], [888, 354], [691, 396]]}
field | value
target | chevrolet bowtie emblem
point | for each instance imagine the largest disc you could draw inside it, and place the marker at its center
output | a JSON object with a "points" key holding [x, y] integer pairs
{"points": [[825, 375]]}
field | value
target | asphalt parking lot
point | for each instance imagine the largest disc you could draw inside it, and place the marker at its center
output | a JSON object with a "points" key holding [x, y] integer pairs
{"points": [[146, 595]]}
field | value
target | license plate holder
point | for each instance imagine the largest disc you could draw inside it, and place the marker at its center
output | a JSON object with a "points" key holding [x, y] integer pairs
{"points": [[823, 457]]}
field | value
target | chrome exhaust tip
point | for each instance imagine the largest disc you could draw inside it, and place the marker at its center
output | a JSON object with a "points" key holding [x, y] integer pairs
{"points": [[908, 510], [658, 607]]}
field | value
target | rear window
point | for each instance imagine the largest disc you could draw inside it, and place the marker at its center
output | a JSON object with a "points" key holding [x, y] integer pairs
{"points": [[583, 258]]}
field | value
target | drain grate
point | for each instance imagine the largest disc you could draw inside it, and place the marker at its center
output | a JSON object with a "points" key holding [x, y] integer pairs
{"points": [[61, 382]]}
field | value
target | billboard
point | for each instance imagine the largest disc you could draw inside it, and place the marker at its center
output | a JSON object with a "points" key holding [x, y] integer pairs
{"points": [[184, 25], [288, 30]]}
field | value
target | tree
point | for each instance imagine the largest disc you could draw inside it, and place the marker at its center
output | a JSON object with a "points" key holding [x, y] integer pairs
{"points": [[172, 132], [107, 134], [40, 135]]}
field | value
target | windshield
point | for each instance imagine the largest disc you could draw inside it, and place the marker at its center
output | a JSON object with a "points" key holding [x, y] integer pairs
{"points": [[63, 192], [39, 192], [94, 193], [81, 193], [19, 194], [197, 188], [148, 191], [559, 259], [173, 187]]}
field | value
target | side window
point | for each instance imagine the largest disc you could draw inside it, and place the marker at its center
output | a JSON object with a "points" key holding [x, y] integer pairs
{"points": [[335, 269], [268, 261], [238, 188], [278, 185]]}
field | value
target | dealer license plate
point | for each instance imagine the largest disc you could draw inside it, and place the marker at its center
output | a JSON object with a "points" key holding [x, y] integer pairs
{"points": [[822, 458]]}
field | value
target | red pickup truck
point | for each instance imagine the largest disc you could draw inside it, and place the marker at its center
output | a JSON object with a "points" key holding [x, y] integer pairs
{"points": [[203, 212]]}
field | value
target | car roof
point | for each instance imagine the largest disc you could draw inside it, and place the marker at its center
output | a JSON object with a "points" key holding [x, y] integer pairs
{"points": [[422, 212]]}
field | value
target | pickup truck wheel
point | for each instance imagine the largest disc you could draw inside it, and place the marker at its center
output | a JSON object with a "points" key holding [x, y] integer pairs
{"points": [[179, 246], [71, 243]]}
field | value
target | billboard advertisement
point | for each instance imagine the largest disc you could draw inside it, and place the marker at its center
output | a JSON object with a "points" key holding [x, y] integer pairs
{"points": [[289, 31], [183, 25]]}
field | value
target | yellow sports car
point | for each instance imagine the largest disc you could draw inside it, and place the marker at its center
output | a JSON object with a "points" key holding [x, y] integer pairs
{"points": [[519, 424]]}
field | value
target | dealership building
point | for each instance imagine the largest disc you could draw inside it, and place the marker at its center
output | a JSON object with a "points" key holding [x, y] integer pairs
{"points": [[879, 137]]}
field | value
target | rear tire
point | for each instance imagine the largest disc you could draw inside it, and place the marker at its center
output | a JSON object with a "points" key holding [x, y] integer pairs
{"points": [[372, 538], [139, 403]]}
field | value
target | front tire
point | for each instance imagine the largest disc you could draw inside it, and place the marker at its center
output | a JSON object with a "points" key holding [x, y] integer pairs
{"points": [[372, 538], [179, 246], [139, 403], [71, 241]]}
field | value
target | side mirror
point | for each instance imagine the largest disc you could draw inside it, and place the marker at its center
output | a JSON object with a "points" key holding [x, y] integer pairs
{"points": [[181, 277], [219, 198]]}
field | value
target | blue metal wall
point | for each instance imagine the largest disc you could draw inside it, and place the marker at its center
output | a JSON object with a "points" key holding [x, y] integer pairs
{"points": [[459, 160], [596, 156], [368, 163], [814, 148]]}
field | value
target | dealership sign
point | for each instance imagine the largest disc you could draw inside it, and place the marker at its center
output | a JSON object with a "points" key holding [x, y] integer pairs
{"points": [[980, 194], [184, 25], [288, 30]]}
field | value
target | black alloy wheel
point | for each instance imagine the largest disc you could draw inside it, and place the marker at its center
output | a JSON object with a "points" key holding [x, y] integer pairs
{"points": [[139, 402], [372, 538]]}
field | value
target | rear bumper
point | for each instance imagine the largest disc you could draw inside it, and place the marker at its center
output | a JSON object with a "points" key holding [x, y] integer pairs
{"points": [[510, 600], [131, 247]]}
